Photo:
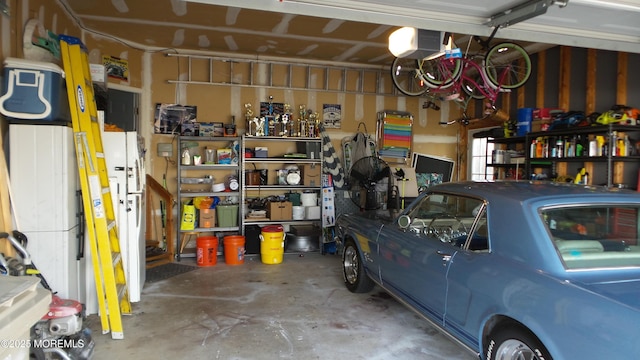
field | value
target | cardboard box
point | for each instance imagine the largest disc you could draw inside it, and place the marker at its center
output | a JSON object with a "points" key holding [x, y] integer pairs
{"points": [[218, 129], [206, 129], [207, 218], [540, 125], [280, 210], [261, 152], [312, 175], [190, 129]]}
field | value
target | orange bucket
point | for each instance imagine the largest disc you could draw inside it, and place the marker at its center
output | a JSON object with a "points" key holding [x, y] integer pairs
{"points": [[234, 249], [206, 250]]}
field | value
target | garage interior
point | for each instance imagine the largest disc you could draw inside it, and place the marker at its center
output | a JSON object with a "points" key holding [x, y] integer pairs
{"points": [[219, 56]]}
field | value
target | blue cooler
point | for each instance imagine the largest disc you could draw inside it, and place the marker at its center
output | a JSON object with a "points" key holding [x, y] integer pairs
{"points": [[34, 92]]}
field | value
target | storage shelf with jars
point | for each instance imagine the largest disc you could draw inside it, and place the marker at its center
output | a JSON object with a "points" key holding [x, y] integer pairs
{"points": [[507, 158], [281, 179], [606, 155], [209, 188]]}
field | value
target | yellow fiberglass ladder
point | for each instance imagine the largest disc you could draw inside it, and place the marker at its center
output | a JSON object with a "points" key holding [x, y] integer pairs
{"points": [[108, 267]]}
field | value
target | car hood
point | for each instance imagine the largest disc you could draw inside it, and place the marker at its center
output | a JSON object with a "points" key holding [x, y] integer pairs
{"points": [[623, 291]]}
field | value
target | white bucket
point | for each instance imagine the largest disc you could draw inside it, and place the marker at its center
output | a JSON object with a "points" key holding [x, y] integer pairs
{"points": [[309, 199], [298, 212]]}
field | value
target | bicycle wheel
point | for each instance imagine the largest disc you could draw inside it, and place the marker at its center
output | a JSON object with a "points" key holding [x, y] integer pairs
{"points": [[440, 73], [405, 76], [471, 89], [507, 65], [472, 82]]}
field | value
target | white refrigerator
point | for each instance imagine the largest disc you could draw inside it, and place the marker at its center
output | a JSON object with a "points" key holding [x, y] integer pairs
{"points": [[47, 205], [124, 156]]}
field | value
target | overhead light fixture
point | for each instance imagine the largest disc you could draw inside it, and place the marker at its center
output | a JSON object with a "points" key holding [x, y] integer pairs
{"points": [[408, 42], [522, 12]]}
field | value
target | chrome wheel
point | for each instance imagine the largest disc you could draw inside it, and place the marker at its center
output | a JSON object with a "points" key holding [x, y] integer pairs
{"points": [[355, 276], [515, 350], [351, 265]]}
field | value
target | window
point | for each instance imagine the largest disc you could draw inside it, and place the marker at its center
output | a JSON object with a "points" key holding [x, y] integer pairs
{"points": [[448, 218], [479, 152], [595, 236]]}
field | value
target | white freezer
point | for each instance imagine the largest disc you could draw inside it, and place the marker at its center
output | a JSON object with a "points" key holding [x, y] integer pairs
{"points": [[44, 177], [44, 184], [54, 254]]}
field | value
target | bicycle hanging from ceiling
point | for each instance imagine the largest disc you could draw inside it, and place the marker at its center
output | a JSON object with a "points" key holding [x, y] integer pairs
{"points": [[462, 77]]}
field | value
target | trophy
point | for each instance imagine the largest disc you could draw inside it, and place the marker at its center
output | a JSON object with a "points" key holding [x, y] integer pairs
{"points": [[260, 125], [312, 124], [285, 131], [270, 125], [302, 121], [248, 114]]}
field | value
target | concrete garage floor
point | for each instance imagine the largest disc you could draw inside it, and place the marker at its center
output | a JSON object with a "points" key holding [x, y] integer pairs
{"points": [[298, 309]]}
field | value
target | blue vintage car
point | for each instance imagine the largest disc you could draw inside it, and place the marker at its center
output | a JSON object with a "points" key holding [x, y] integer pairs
{"points": [[510, 270]]}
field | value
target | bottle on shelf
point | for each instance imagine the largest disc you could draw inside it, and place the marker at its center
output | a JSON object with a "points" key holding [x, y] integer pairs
{"points": [[186, 157], [545, 148], [580, 148], [559, 148]]}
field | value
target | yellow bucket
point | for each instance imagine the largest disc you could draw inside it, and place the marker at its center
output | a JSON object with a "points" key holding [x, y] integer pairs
{"points": [[272, 244]]}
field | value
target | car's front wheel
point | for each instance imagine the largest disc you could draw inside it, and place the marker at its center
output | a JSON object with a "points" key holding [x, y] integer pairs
{"points": [[355, 277], [515, 344]]}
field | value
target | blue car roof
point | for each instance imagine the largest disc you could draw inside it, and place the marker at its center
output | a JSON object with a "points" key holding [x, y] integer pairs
{"points": [[524, 191]]}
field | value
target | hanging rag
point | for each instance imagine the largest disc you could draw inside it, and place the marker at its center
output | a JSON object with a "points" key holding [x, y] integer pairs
{"points": [[330, 161]]}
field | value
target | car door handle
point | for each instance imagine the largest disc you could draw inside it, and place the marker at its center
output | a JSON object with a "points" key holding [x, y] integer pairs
{"points": [[445, 256]]}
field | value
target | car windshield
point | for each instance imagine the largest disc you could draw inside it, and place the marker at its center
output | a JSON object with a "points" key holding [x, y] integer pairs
{"points": [[589, 237], [448, 218]]}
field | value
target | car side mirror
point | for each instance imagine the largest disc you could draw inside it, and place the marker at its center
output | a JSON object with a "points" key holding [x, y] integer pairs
{"points": [[404, 221]]}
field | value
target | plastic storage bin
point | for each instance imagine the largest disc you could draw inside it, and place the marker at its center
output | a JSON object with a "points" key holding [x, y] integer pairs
{"points": [[34, 92], [227, 215]]}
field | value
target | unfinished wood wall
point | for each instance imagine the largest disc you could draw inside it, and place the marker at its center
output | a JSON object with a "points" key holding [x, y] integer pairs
{"points": [[573, 79]]}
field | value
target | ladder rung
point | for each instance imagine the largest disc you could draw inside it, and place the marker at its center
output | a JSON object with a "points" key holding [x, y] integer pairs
{"points": [[115, 258], [122, 289], [111, 225]]}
